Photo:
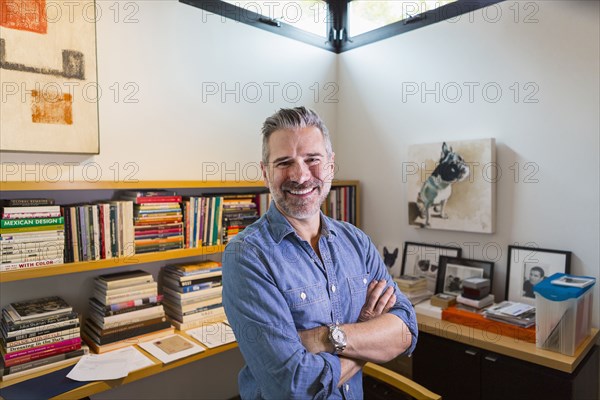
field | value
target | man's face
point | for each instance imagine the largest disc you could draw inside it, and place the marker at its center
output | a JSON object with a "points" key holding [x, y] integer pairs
{"points": [[535, 276], [299, 172]]}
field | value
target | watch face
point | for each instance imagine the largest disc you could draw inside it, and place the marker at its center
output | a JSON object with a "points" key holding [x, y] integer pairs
{"points": [[338, 335]]}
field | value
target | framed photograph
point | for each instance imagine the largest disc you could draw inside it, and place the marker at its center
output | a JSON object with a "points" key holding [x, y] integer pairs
{"points": [[422, 259], [528, 266], [454, 270]]}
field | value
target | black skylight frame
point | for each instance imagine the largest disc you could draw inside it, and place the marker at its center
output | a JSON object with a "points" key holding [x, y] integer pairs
{"points": [[337, 22]]}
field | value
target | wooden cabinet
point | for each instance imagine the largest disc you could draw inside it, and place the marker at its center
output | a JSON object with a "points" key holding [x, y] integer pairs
{"points": [[460, 371]]}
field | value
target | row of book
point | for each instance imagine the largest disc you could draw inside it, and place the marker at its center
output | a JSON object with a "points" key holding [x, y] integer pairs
{"points": [[38, 334], [31, 234], [341, 204]]}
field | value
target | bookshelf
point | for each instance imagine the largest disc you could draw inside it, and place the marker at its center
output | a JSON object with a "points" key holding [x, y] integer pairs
{"points": [[78, 191]]}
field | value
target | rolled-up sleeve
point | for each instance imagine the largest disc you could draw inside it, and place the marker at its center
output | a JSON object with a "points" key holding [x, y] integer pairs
{"points": [[403, 309], [266, 334]]}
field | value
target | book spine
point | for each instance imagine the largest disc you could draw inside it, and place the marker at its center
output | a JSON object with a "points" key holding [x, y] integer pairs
{"points": [[37, 356], [30, 264], [31, 215], [36, 229], [30, 209], [133, 325], [13, 341], [27, 202], [42, 362], [18, 326], [31, 222], [134, 303], [41, 349], [142, 330], [41, 343], [43, 330]]}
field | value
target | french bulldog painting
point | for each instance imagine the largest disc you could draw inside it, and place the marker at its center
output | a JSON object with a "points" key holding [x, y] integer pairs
{"points": [[437, 188]]}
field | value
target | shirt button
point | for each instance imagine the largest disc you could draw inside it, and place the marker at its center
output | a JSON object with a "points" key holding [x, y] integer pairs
{"points": [[303, 296], [365, 281], [333, 288], [347, 387]]}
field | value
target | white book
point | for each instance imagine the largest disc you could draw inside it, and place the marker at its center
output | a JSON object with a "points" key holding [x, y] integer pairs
{"points": [[213, 334]]}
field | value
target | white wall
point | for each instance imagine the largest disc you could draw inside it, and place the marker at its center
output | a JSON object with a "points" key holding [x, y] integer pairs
{"points": [[557, 55]]}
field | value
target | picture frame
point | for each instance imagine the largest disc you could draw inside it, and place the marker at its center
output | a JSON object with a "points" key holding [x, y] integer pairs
{"points": [[52, 60], [527, 264], [422, 259], [453, 270]]}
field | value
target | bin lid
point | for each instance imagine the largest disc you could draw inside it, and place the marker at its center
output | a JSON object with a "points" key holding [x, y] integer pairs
{"points": [[554, 292]]}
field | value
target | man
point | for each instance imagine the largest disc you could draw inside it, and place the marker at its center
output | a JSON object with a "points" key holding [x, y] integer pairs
{"points": [[536, 275], [309, 298]]}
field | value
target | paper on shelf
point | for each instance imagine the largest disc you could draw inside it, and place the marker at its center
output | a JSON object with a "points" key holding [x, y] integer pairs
{"points": [[112, 365], [171, 348], [213, 335]]}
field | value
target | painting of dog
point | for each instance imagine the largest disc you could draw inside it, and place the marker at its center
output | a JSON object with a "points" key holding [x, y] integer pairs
{"points": [[452, 185]]}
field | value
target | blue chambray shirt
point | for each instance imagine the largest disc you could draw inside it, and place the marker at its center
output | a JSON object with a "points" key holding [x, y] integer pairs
{"points": [[274, 284]]}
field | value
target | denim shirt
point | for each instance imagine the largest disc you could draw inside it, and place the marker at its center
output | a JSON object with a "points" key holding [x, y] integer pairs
{"points": [[274, 284]]}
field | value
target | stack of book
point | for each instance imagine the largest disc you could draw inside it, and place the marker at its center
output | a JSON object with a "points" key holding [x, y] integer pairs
{"points": [[239, 211], [511, 312], [413, 287], [157, 220], [99, 231], [38, 334], [31, 234], [192, 293], [124, 306]]}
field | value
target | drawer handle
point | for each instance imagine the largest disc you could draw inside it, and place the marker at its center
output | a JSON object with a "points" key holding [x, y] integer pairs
{"points": [[471, 352], [491, 358]]}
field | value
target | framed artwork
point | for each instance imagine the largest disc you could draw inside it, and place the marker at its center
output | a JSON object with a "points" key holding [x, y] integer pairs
{"points": [[454, 270], [389, 253], [422, 259], [528, 266], [452, 185], [48, 77]]}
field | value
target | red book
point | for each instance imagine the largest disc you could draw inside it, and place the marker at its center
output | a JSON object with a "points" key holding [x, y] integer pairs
{"points": [[44, 354], [42, 349]]}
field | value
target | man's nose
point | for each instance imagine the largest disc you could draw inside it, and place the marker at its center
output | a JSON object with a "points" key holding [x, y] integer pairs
{"points": [[300, 172]]}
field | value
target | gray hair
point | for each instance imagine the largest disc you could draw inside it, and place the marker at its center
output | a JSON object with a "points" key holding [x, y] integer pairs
{"points": [[293, 119]]}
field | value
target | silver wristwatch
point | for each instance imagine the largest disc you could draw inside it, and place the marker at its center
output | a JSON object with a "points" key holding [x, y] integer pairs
{"points": [[338, 338]]}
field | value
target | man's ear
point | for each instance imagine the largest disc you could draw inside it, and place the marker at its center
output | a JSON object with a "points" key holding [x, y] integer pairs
{"points": [[265, 173]]}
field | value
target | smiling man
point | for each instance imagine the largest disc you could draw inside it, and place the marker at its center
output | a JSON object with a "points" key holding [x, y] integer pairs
{"points": [[309, 298]]}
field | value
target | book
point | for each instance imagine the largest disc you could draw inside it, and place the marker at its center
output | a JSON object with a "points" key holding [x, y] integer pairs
{"points": [[126, 334], [123, 279], [8, 373], [171, 348], [27, 202], [31, 222], [30, 264], [196, 268], [481, 303], [10, 325], [100, 349], [39, 308], [29, 209], [213, 334]]}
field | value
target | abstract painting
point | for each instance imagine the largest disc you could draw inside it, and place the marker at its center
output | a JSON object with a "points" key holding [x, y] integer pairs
{"points": [[451, 185], [48, 76]]}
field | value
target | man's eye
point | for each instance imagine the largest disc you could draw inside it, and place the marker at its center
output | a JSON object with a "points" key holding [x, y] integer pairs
{"points": [[313, 161]]}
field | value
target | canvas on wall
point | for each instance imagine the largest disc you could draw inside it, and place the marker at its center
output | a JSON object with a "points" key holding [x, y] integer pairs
{"points": [[451, 185], [48, 76]]}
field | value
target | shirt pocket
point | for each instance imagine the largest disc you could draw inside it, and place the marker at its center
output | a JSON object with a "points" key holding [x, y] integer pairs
{"points": [[309, 305], [358, 293]]}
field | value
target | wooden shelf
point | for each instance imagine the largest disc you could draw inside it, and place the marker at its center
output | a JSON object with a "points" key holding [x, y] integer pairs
{"points": [[101, 386], [133, 184], [135, 259], [512, 347]]}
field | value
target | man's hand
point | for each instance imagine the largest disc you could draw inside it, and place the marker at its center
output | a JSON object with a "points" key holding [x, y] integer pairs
{"points": [[378, 302]]}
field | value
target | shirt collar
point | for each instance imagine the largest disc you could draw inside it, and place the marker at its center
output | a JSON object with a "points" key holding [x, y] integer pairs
{"points": [[279, 227]]}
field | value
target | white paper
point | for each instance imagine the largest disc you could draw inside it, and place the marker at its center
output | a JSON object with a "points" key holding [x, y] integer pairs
{"points": [[213, 335], [113, 365], [153, 348]]}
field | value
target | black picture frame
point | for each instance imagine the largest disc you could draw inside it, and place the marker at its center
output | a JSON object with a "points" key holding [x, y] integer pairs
{"points": [[521, 262], [453, 270], [422, 259]]}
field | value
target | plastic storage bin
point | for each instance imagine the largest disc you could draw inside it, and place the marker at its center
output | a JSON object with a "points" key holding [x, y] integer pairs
{"points": [[563, 315]]}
